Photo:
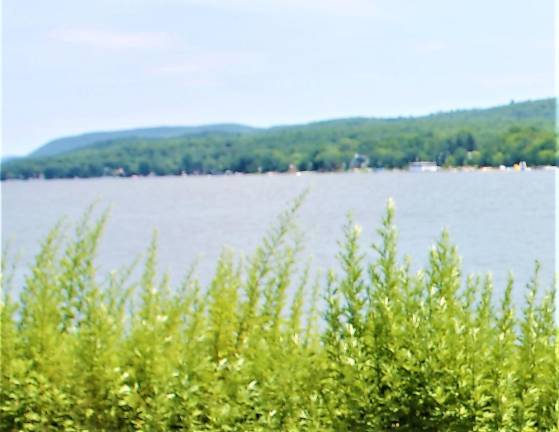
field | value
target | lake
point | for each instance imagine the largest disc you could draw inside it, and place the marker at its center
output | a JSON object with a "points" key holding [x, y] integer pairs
{"points": [[500, 221]]}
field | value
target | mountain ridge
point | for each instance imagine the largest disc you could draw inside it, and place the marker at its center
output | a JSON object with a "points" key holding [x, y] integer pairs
{"points": [[503, 135], [74, 142]]}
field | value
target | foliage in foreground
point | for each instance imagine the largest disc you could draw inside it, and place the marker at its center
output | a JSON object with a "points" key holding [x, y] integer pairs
{"points": [[389, 350]]}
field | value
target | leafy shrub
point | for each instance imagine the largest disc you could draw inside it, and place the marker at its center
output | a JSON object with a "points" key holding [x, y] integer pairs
{"points": [[389, 350]]}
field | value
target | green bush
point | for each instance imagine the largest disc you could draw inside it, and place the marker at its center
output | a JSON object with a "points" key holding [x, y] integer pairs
{"points": [[382, 349]]}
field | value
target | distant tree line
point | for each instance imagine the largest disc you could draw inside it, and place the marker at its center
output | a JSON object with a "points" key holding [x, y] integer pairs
{"points": [[501, 136]]}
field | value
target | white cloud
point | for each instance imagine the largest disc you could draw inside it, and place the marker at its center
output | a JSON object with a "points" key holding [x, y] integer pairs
{"points": [[108, 39], [518, 80], [430, 46], [197, 63], [361, 8]]}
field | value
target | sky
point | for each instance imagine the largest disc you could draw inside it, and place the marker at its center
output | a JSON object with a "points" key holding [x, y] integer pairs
{"points": [[75, 66]]}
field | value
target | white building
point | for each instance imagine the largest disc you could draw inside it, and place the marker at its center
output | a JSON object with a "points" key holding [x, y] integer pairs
{"points": [[423, 166]]}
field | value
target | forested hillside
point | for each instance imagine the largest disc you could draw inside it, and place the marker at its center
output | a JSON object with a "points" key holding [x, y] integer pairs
{"points": [[484, 137], [66, 144]]}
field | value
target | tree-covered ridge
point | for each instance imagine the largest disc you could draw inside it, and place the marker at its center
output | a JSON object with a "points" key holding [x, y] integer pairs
{"points": [[67, 144], [490, 137], [381, 348]]}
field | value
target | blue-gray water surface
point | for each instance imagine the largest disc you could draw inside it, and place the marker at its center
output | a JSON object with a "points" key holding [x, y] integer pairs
{"points": [[500, 221]]}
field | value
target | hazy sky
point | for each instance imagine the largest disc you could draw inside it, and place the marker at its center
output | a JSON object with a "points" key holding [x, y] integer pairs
{"points": [[73, 66]]}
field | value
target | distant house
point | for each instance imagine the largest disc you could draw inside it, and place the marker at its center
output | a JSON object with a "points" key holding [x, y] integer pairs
{"points": [[423, 166], [359, 161]]}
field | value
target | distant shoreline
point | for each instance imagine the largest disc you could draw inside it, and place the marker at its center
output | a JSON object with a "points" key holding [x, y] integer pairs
{"points": [[520, 134], [301, 173]]}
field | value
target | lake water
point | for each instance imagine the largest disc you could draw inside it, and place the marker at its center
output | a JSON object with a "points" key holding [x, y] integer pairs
{"points": [[500, 221]]}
